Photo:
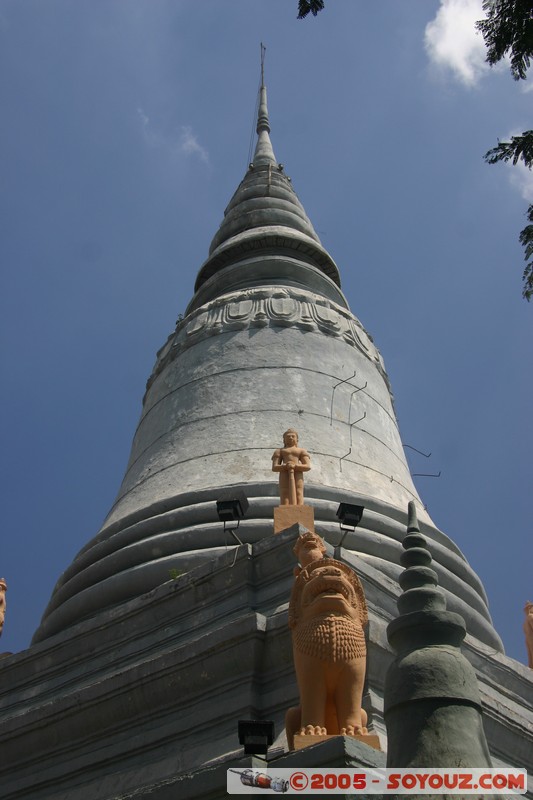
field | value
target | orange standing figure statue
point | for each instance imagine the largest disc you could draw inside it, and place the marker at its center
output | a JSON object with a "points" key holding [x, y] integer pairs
{"points": [[3, 588], [528, 630], [291, 462], [327, 612]]}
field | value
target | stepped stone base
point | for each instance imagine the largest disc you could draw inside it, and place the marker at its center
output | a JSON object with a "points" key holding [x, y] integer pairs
{"points": [[287, 516], [211, 781], [143, 700]]}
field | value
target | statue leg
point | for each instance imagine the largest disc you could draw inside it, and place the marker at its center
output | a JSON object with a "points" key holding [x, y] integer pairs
{"points": [[299, 489], [293, 723], [332, 726], [313, 695], [348, 697], [284, 495], [292, 488]]}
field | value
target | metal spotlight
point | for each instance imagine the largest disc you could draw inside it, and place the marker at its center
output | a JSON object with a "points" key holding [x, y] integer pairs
{"points": [[232, 505], [256, 735], [349, 517]]}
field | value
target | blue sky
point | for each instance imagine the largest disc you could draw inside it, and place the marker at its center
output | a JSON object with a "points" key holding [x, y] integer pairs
{"points": [[125, 130]]}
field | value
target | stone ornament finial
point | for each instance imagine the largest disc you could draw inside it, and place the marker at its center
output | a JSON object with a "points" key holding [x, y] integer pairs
{"points": [[3, 589], [430, 678], [327, 613], [528, 631], [419, 581], [291, 461]]}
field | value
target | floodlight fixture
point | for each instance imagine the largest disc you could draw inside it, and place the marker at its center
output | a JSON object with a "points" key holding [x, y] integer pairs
{"points": [[256, 735], [349, 517], [232, 505]]}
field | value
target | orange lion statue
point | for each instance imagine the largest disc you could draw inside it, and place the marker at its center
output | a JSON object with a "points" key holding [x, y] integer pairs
{"points": [[327, 613]]}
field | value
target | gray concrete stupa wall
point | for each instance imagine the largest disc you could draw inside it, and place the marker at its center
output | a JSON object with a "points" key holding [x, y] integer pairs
{"points": [[268, 342], [239, 370]]}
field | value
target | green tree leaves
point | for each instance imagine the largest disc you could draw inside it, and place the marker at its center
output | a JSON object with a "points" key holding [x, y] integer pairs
{"points": [[526, 240], [520, 148], [306, 6], [508, 29]]}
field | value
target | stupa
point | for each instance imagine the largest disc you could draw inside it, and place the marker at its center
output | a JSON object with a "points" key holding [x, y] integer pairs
{"points": [[164, 631]]}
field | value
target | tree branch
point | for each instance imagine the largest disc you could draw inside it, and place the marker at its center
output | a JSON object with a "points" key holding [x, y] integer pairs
{"points": [[508, 28], [526, 239], [306, 6], [520, 148]]}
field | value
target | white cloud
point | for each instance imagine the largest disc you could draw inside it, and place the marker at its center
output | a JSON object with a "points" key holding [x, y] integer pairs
{"points": [[453, 43], [189, 144], [148, 134], [522, 179], [184, 145]]}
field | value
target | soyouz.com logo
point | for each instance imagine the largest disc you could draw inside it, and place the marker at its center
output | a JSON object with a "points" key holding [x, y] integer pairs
{"points": [[377, 781]]}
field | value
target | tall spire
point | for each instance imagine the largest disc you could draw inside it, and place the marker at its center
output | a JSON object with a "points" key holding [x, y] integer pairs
{"points": [[267, 340], [265, 212], [264, 154]]}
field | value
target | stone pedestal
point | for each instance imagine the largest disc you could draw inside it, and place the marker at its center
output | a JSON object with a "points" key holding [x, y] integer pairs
{"points": [[286, 516], [369, 739]]}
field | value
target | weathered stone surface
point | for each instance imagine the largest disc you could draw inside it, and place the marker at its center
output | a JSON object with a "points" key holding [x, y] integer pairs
{"points": [[134, 554], [271, 270], [265, 211], [150, 690], [209, 783], [145, 686]]}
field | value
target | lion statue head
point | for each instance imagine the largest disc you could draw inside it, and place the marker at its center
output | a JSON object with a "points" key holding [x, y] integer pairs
{"points": [[327, 587]]}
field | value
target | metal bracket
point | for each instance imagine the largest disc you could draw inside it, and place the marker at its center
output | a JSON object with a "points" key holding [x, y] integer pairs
{"points": [[341, 459], [333, 393], [426, 455]]}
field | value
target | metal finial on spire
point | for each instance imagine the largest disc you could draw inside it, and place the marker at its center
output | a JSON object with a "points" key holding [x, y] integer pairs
{"points": [[263, 51], [262, 116]]}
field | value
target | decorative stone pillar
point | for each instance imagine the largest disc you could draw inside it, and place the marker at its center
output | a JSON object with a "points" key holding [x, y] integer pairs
{"points": [[432, 703]]}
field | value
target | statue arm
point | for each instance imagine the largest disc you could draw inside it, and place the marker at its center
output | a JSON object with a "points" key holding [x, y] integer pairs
{"points": [[305, 462], [277, 462]]}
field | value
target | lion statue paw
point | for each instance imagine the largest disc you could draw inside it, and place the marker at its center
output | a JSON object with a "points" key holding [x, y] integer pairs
{"points": [[313, 730], [353, 730]]}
